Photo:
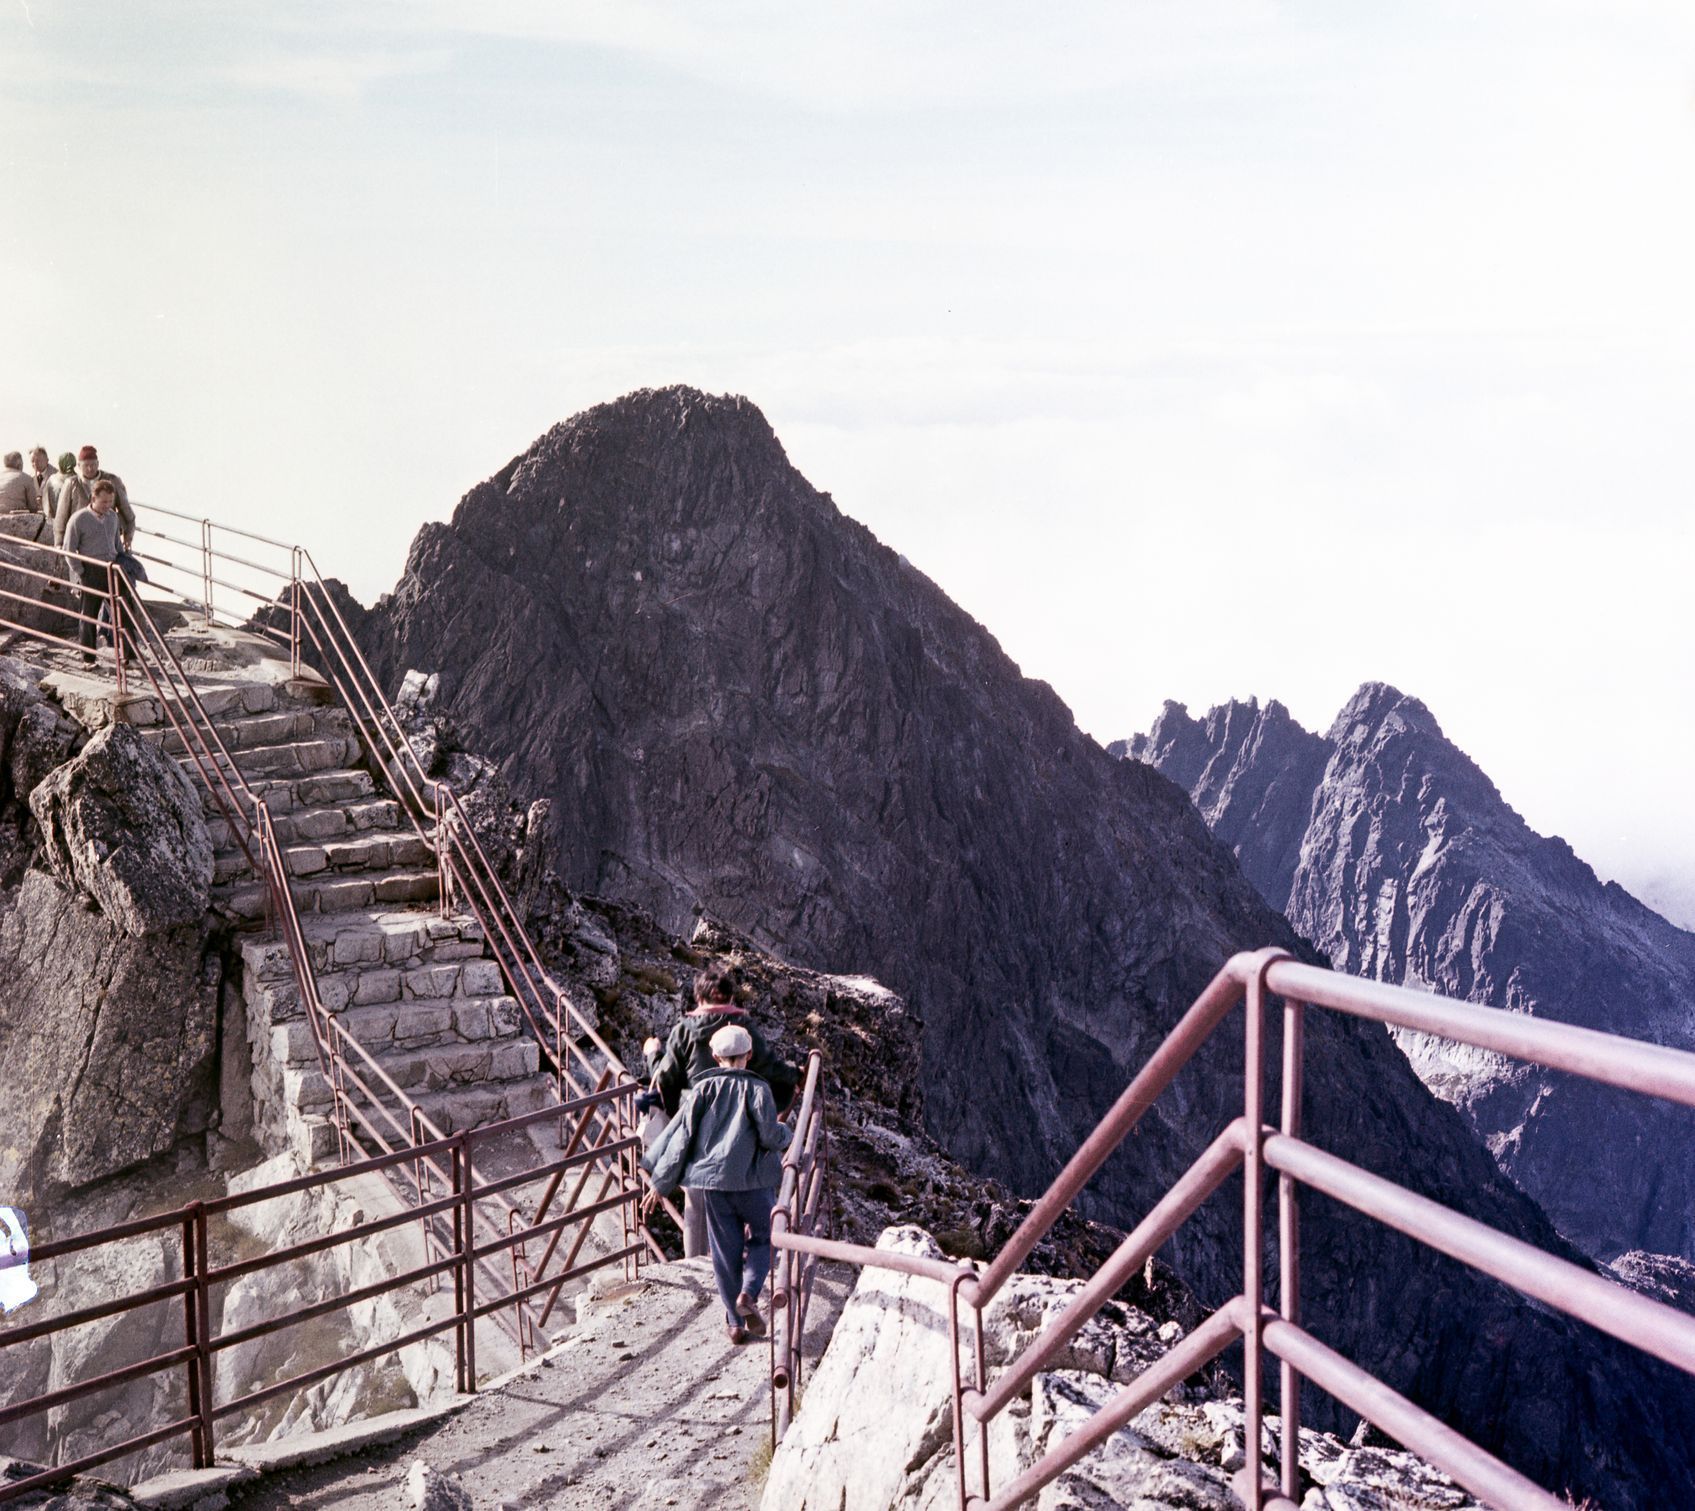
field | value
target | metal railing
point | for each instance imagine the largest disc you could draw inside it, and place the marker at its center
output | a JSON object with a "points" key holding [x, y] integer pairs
{"points": [[291, 588], [1247, 1143], [368, 1107], [463, 1257], [801, 1208]]}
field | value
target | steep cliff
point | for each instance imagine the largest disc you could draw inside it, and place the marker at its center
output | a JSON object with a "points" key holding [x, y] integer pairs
{"points": [[739, 701], [1410, 867]]}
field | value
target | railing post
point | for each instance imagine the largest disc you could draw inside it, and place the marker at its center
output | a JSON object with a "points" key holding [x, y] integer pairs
{"points": [[982, 1385], [206, 568], [966, 1272], [203, 1335], [294, 614], [444, 871], [521, 1277], [424, 1185], [456, 1180], [1250, 1483], [467, 1232], [114, 576], [559, 1052], [1289, 1242], [191, 1337]]}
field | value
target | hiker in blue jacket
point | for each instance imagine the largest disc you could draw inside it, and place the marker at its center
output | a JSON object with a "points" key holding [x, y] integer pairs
{"points": [[726, 1143]]}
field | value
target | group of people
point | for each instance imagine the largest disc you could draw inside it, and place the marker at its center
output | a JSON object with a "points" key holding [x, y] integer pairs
{"points": [[87, 512], [724, 1143]]}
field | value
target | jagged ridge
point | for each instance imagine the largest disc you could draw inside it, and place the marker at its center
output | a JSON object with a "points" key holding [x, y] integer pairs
{"points": [[739, 700]]}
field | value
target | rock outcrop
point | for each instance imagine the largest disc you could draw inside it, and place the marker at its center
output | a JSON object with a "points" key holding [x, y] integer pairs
{"points": [[108, 1027], [1411, 868], [123, 826], [874, 1429], [738, 701], [35, 737]]}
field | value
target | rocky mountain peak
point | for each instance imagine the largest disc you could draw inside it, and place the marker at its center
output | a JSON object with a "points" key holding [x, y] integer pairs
{"points": [[739, 702], [1392, 850]]}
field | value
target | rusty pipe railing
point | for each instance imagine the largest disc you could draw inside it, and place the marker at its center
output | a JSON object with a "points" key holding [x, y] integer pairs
{"points": [[464, 1256], [1659, 1330], [248, 819], [312, 615]]}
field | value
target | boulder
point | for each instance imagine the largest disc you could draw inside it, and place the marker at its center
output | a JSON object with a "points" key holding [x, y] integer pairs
{"points": [[122, 825], [875, 1426], [108, 1038], [428, 1489], [35, 737]]}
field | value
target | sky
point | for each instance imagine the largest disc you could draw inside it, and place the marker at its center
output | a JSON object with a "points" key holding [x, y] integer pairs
{"points": [[1200, 350]]}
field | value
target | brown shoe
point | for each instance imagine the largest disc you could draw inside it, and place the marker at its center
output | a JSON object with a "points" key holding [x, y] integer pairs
{"points": [[748, 1309], [736, 1334]]}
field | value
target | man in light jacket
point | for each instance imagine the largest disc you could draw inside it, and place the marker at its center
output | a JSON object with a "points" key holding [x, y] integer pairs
{"points": [[726, 1144], [78, 493], [18, 493]]}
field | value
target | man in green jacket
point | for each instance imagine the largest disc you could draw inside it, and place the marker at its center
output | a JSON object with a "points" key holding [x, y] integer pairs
{"points": [[686, 1056], [726, 1144]]}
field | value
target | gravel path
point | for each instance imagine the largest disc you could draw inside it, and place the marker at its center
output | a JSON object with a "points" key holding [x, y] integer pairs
{"points": [[646, 1405]]}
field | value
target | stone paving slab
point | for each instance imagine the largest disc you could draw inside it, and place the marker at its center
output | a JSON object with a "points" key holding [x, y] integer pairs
{"points": [[645, 1405]]}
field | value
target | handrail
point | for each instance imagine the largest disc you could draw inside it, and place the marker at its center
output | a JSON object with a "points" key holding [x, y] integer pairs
{"points": [[1659, 1330], [248, 819], [796, 1212], [202, 1342]]}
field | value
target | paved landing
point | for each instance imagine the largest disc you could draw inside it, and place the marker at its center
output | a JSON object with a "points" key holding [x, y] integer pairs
{"points": [[645, 1405]]}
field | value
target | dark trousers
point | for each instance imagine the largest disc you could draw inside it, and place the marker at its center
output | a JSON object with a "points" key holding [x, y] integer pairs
{"points": [[738, 1229], [94, 595], [94, 590]]}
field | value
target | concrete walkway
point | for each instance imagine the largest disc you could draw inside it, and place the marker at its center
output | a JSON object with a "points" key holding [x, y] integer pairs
{"points": [[646, 1405]]}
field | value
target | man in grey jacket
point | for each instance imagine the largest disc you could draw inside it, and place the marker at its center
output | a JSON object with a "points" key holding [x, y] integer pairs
{"points": [[726, 1144], [92, 532]]}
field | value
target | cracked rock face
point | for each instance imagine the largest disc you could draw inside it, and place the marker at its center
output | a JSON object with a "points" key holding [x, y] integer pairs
{"points": [[736, 700], [108, 1027], [122, 825], [108, 1040], [1408, 866]]}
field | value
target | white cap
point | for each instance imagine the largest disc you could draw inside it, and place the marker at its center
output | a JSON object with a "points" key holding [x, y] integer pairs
{"points": [[731, 1042]]}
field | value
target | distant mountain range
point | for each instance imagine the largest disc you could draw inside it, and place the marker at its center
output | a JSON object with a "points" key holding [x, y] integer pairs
{"points": [[739, 701], [1387, 847]]}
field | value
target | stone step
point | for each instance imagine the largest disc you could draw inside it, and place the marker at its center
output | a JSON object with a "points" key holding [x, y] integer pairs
{"points": [[364, 852], [441, 1067], [89, 701], [379, 936], [370, 984], [289, 793], [386, 1027], [312, 825], [244, 899], [314, 1139], [279, 726], [292, 758]]}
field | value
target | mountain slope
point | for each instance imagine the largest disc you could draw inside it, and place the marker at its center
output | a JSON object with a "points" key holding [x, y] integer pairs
{"points": [[739, 701], [1411, 868]]}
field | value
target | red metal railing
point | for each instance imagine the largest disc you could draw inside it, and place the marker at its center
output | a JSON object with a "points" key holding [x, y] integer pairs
{"points": [[801, 1208], [386, 1118], [463, 1257], [314, 622], [1248, 1143]]}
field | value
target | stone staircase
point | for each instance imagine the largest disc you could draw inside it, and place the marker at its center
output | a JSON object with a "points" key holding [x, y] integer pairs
{"points": [[418, 991]]}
